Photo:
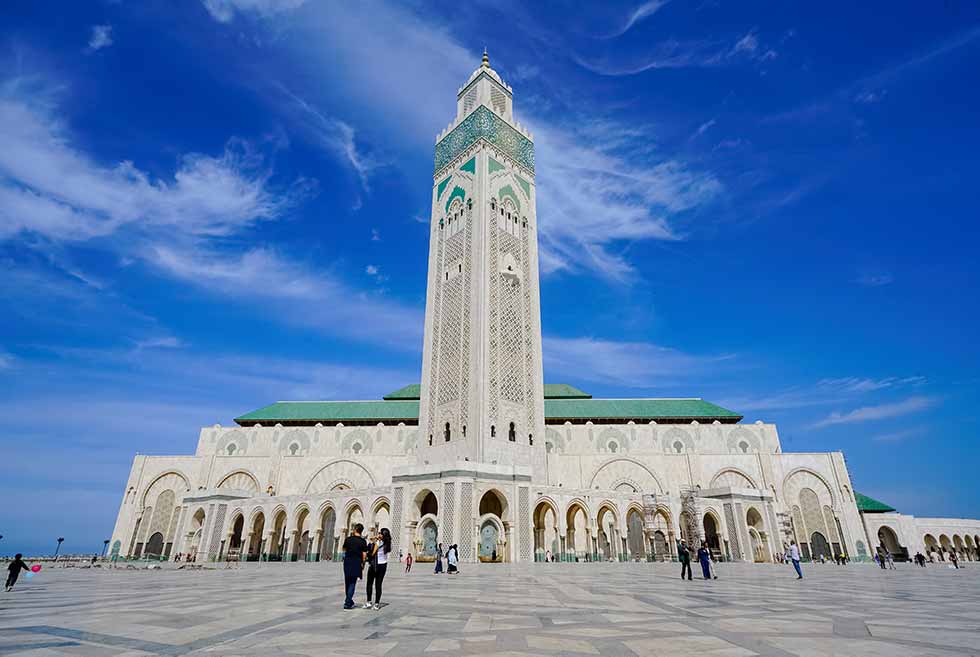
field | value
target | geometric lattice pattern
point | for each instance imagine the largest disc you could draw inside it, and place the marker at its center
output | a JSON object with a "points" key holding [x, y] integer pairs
{"points": [[733, 542], [466, 512], [524, 518], [448, 515]]}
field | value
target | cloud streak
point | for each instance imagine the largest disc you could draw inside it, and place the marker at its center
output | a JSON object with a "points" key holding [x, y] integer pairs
{"points": [[885, 411], [100, 38]]}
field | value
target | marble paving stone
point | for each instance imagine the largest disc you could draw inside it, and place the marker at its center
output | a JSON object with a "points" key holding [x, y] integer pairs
{"points": [[610, 610]]}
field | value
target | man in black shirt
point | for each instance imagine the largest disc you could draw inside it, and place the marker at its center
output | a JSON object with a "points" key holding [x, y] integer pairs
{"points": [[13, 570], [355, 551]]}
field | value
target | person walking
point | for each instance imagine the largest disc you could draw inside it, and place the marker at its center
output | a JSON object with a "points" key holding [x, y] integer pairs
{"points": [[378, 567], [355, 552], [452, 559], [794, 556], [408, 563], [684, 556], [954, 559], [14, 569], [890, 560], [439, 559], [705, 558]]}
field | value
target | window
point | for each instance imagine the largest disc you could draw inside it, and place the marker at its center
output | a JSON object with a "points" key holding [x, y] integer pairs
{"points": [[447, 432], [430, 440], [493, 204], [512, 434], [469, 204], [293, 448], [356, 448], [678, 447], [461, 268], [744, 446], [493, 431], [612, 446], [231, 449], [530, 439], [548, 447], [464, 431]]}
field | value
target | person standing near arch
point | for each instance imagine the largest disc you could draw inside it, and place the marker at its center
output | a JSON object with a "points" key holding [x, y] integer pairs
{"points": [[794, 556], [438, 559], [684, 556], [355, 552]]}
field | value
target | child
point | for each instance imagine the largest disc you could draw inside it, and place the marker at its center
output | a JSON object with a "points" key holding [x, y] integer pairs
{"points": [[408, 563], [14, 569]]}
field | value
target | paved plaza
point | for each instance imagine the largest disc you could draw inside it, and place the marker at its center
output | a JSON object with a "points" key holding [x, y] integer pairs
{"points": [[641, 610]]}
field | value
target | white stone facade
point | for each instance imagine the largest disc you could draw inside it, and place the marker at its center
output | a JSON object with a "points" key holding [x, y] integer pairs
{"points": [[475, 461]]}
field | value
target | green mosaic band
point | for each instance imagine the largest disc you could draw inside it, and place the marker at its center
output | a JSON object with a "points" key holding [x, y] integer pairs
{"points": [[484, 124]]}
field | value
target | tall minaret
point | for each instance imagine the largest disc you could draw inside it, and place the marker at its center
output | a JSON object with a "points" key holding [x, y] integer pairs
{"points": [[482, 395]]}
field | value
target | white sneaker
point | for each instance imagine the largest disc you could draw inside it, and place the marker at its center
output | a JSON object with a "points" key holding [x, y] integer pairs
{"points": [[367, 605], [377, 606]]}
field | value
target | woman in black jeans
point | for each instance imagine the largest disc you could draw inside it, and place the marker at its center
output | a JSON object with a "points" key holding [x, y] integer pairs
{"points": [[378, 555]]}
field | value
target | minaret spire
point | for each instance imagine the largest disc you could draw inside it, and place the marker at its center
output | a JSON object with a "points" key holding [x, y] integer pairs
{"points": [[486, 58]]}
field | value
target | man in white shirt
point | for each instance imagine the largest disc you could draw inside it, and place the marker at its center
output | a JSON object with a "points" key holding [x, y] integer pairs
{"points": [[794, 556]]}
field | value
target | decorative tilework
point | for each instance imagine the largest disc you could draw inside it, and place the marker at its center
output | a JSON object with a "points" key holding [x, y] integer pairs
{"points": [[733, 542], [396, 518], [525, 186], [442, 187], [484, 124], [507, 190], [470, 166], [494, 165], [458, 192], [524, 518]]}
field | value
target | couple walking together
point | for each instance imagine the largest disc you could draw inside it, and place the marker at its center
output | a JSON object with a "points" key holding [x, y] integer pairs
{"points": [[452, 560], [357, 552]]}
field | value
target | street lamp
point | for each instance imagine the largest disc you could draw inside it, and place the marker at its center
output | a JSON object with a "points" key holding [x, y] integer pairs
{"points": [[58, 549], [105, 546]]}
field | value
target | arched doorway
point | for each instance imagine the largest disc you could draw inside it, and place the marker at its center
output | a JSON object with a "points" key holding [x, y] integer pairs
{"points": [[328, 541], [427, 542], [490, 550], [255, 545], [932, 545], [235, 539], [277, 545], [945, 546], [382, 516], [577, 534], [662, 538], [889, 541], [760, 542], [958, 546], [154, 546], [608, 536], [195, 535], [546, 544], [493, 539], [819, 547], [302, 549], [711, 533], [634, 535]]}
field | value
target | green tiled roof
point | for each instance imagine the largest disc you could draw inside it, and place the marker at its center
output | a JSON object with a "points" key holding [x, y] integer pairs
{"points": [[333, 411], [412, 391], [403, 408], [564, 391], [867, 504], [638, 409]]}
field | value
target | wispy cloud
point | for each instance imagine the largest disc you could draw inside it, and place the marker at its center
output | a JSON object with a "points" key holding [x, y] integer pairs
{"points": [[160, 342], [874, 279], [642, 12], [52, 190], [333, 135], [898, 436], [632, 364], [885, 411], [857, 384], [6, 360], [224, 11], [826, 392], [100, 38], [703, 128]]}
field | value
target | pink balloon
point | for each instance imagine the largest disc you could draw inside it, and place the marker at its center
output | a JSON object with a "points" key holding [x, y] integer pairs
{"points": [[35, 568]]}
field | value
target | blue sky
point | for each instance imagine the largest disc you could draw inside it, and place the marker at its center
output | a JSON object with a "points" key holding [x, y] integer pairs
{"points": [[209, 206]]}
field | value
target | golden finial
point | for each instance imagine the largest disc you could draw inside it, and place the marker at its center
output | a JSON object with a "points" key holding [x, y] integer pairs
{"points": [[486, 58]]}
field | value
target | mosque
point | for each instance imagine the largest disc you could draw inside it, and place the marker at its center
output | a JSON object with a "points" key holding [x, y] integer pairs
{"points": [[483, 453]]}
